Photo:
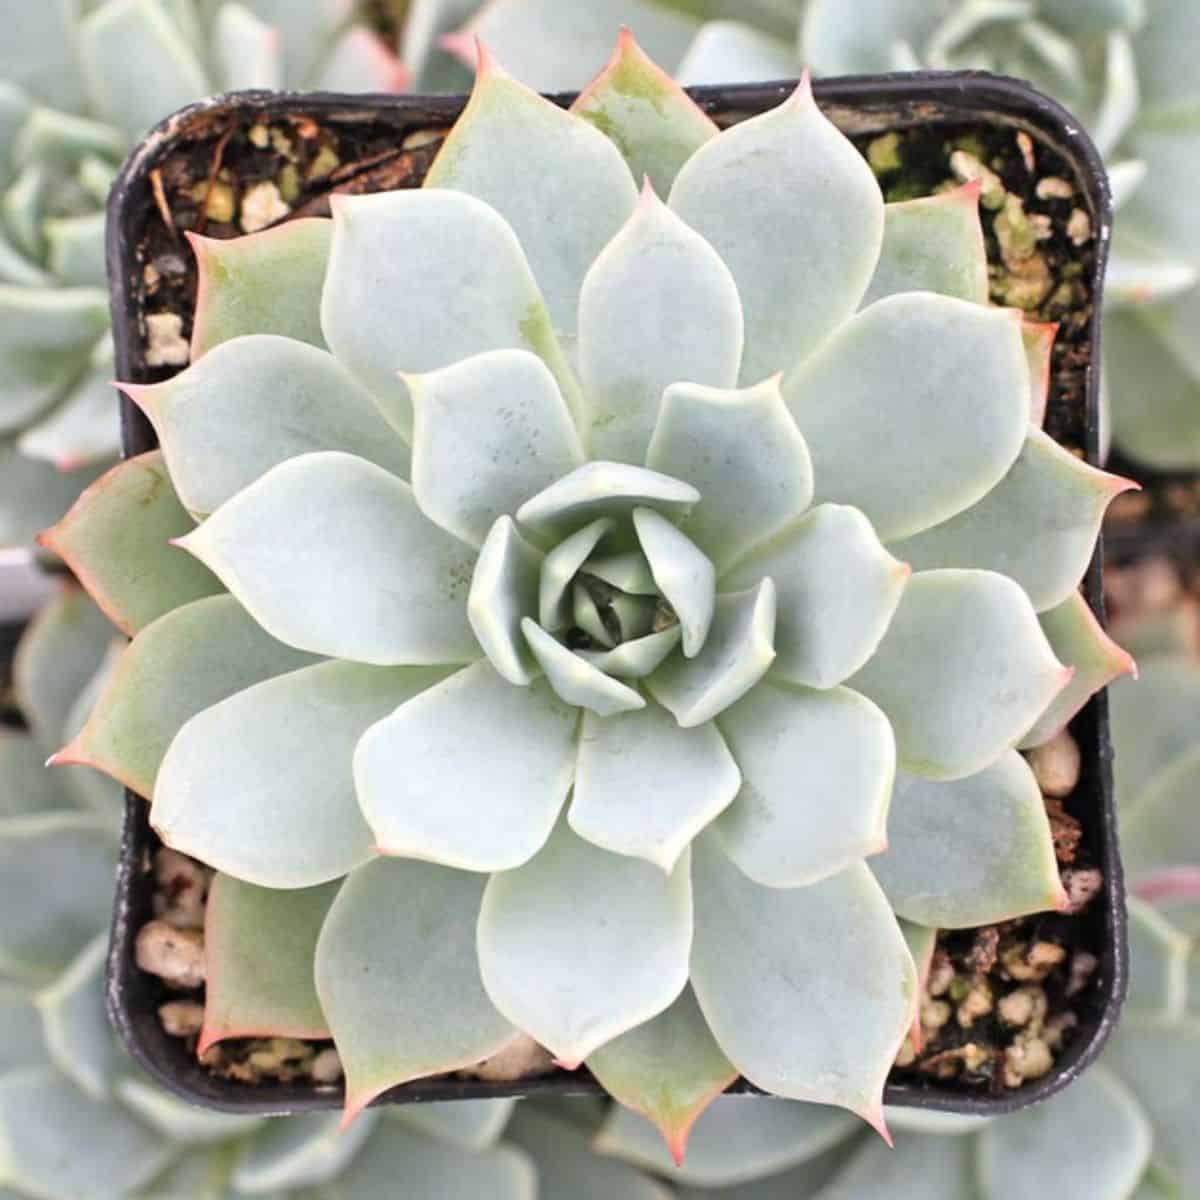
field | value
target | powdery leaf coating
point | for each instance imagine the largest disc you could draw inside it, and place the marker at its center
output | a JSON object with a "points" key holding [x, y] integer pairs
{"points": [[579, 945], [654, 123], [810, 275], [668, 1070], [683, 574], [504, 588], [817, 773], [1158, 964], [306, 1150], [954, 422], [809, 991], [638, 658], [254, 402], [971, 851], [646, 787], [133, 505], [422, 771], [411, 926], [279, 809], [657, 305], [319, 551], [1163, 828], [575, 680], [559, 568], [258, 947], [474, 1126], [725, 50], [986, 669], [742, 451], [925, 1165]]}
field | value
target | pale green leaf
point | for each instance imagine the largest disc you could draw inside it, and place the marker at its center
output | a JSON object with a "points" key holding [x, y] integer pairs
{"points": [[178, 1121], [575, 680], [1163, 829], [504, 588], [683, 574], [21, 1041], [38, 52], [85, 428], [470, 1125], [1158, 964], [729, 51], [933, 1168], [638, 658], [245, 50], [560, 567], [34, 494], [26, 786], [839, 40], [306, 1150], [75, 249]]}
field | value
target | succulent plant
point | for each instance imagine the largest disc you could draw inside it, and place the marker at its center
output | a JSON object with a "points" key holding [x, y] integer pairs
{"points": [[70, 110], [518, 487]]}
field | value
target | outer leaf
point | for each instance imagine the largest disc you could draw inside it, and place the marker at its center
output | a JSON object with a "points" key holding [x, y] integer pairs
{"points": [[736, 1140], [1163, 829], [254, 402], [320, 551], [115, 538], [574, 679], [75, 249], [957, 413], [922, 941], [658, 305], [504, 588], [684, 575], [725, 50], [560, 183], [34, 494], [21, 1043], [83, 430], [39, 55], [268, 282], [736, 654], [652, 121], [474, 1126], [934, 1168], [307, 1150], [758, 175], [93, 791], [61, 1145], [580, 945], [809, 991], [840, 42], [838, 590], [1093, 1138], [421, 279], [646, 787], [178, 1121], [397, 974], [984, 667], [743, 452], [1078, 640], [488, 433], [986, 841], [258, 947], [28, 787], [933, 244], [422, 771], [1158, 964], [1038, 525], [245, 50], [1038, 340], [212, 644], [797, 748]]}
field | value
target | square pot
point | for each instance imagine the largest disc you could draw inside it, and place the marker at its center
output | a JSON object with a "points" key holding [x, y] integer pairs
{"points": [[140, 227]]}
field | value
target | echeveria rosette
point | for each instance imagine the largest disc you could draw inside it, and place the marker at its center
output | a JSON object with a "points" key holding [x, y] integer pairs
{"points": [[70, 111], [561, 598]]}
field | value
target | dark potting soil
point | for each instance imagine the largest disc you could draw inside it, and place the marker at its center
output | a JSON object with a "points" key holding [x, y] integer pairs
{"points": [[1004, 1000]]}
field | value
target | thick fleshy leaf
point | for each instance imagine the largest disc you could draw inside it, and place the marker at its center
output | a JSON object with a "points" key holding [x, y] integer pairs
{"points": [[743, 452], [841, 41], [1163, 828], [306, 1150], [1092, 1139], [1079, 641], [933, 244], [645, 786], [567, 1165], [603, 489], [803, 282], [420, 279], [215, 646], [683, 574], [1158, 964], [726, 50], [1038, 340], [637, 658], [75, 1026], [177, 1120], [254, 402], [43, 924], [258, 948], [85, 428], [658, 305], [75, 249], [398, 977], [961, 672], [736, 654], [61, 649], [473, 1126], [38, 57], [956, 416], [268, 282], [933, 1168], [321, 550], [560, 567], [580, 945], [34, 494], [575, 680], [488, 433], [797, 750], [986, 841], [1038, 525], [736, 1140], [21, 1040], [170, 75], [245, 50], [654, 123], [92, 790], [59, 1145], [28, 787], [922, 941], [46, 335], [668, 1071], [628, 572], [116, 539], [504, 588], [838, 589], [809, 991], [558, 181], [361, 60], [422, 771]]}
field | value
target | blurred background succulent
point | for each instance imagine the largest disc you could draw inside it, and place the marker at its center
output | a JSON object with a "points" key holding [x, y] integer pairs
{"points": [[80, 81]]}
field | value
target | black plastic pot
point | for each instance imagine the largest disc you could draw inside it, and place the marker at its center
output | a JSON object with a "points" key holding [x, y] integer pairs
{"points": [[860, 106]]}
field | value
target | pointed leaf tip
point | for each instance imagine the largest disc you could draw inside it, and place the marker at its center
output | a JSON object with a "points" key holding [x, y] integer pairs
{"points": [[462, 45]]}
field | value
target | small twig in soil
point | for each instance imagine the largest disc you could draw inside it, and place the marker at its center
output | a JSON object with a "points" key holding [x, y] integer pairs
{"points": [[160, 199], [213, 170]]}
